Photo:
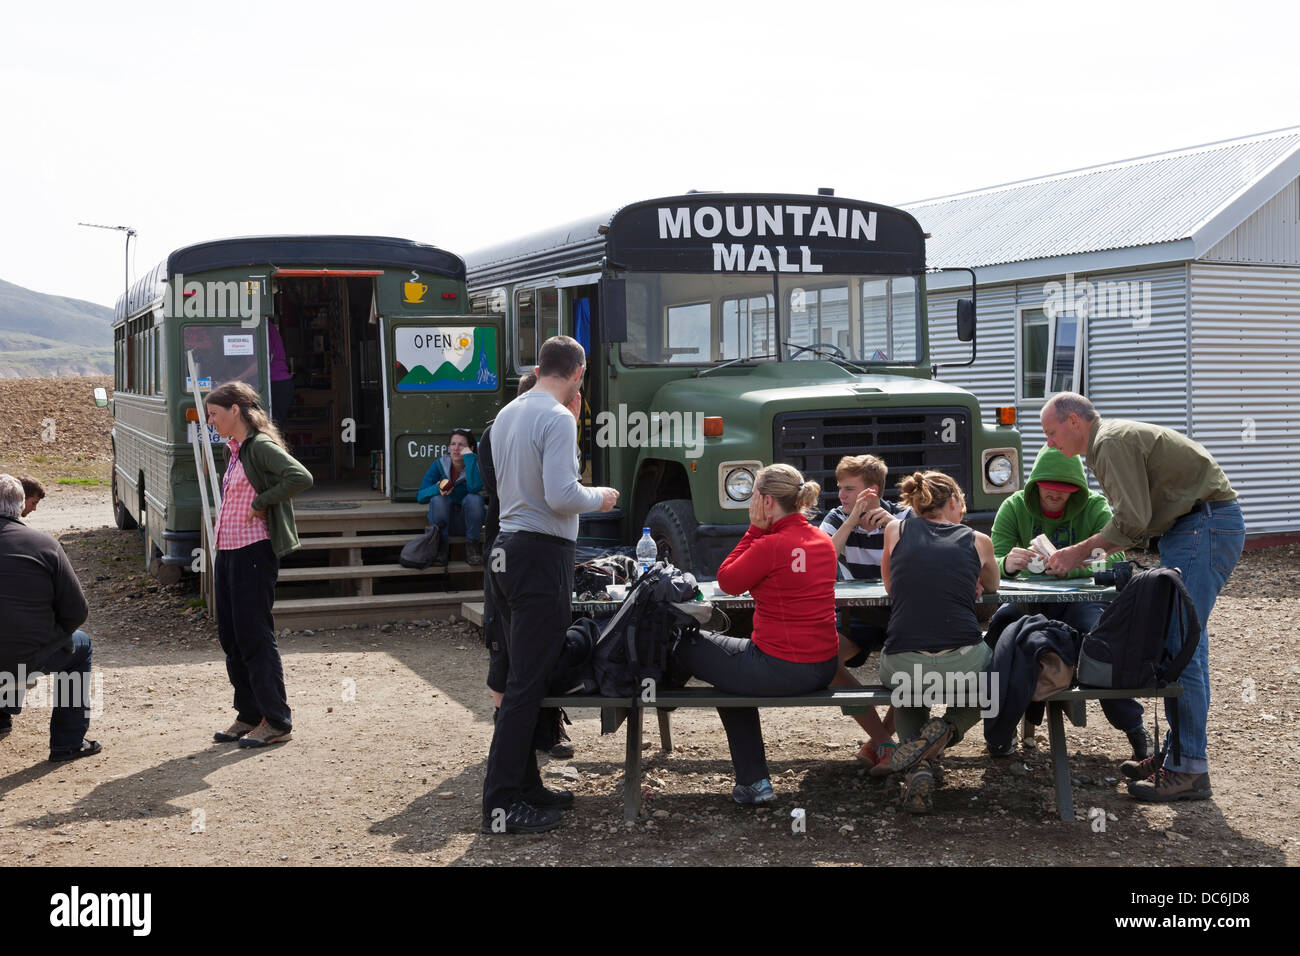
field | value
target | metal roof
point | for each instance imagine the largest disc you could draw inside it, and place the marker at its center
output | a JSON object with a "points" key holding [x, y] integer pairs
{"points": [[1199, 194]]}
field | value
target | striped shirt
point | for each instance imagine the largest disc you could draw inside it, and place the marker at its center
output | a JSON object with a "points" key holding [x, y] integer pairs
{"points": [[233, 530], [860, 560]]}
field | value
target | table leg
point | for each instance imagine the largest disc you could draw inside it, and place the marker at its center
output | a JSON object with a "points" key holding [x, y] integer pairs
{"points": [[1060, 760], [632, 766], [665, 731]]}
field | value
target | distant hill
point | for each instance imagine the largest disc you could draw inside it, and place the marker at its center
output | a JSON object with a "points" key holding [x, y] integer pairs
{"points": [[43, 335]]}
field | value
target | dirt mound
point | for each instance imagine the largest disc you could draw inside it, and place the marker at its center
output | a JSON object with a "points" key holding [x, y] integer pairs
{"points": [[53, 429]]}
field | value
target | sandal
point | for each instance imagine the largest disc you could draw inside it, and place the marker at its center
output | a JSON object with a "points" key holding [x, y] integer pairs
{"points": [[885, 761], [88, 748], [264, 735], [935, 734], [233, 732]]}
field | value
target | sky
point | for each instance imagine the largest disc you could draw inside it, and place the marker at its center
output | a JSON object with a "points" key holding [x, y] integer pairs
{"points": [[469, 125]]}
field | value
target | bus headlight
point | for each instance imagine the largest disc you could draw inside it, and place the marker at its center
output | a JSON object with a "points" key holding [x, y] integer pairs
{"points": [[998, 470], [739, 484]]}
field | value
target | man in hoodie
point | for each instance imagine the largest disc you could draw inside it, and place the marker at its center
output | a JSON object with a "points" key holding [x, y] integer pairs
{"points": [[1057, 503]]}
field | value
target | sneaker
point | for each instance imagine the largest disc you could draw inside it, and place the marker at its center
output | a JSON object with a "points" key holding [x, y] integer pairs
{"points": [[522, 818], [234, 732], [919, 795], [263, 735], [884, 760], [1140, 769], [545, 798], [444, 552], [1142, 743], [1165, 786], [935, 734], [754, 793], [868, 754], [1004, 750], [474, 553], [562, 751]]}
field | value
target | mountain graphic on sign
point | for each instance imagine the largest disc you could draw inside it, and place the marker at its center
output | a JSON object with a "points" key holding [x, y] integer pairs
{"points": [[478, 375]]}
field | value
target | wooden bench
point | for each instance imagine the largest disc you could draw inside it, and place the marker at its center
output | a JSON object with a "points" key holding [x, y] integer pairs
{"points": [[1069, 703]]}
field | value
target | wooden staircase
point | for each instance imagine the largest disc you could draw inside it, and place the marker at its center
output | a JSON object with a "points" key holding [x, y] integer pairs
{"points": [[346, 571]]}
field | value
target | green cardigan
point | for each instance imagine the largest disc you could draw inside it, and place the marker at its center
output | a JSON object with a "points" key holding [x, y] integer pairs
{"points": [[276, 476]]}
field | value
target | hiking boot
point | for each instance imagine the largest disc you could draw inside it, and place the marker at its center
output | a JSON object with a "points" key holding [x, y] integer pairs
{"points": [[919, 795], [935, 735], [562, 751], [1165, 786], [474, 553], [522, 818], [546, 798], [1003, 750], [1142, 743], [444, 552], [1140, 769], [884, 762], [754, 793]]}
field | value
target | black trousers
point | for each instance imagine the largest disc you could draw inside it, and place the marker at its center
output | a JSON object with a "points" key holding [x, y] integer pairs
{"points": [[734, 665], [532, 592], [245, 592]]}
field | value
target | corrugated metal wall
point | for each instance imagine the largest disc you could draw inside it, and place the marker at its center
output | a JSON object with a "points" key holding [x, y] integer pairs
{"points": [[1271, 236], [1246, 384], [1134, 368]]}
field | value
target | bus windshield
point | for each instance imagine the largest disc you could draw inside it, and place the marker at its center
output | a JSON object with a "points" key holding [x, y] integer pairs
{"points": [[694, 319]]}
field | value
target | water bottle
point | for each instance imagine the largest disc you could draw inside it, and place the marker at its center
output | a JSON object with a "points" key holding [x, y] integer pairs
{"points": [[647, 552]]}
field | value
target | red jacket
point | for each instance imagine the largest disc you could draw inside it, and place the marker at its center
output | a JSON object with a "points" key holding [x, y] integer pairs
{"points": [[790, 570]]}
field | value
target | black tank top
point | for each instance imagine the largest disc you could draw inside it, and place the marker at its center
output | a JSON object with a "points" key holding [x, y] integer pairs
{"points": [[932, 573]]}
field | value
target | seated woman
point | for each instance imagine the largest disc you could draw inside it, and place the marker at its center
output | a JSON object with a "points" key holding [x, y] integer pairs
{"points": [[934, 569], [454, 490], [788, 565]]}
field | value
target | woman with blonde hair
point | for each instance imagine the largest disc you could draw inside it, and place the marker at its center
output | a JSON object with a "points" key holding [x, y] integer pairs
{"points": [[788, 565], [934, 570], [255, 528]]}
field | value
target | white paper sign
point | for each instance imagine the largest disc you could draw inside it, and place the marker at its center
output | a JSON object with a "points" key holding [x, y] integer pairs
{"points": [[239, 344]]}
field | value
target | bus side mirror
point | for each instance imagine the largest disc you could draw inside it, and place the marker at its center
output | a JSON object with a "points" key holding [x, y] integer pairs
{"points": [[613, 310], [101, 397], [965, 319]]}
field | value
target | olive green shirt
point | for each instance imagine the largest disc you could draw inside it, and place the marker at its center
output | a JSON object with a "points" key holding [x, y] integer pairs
{"points": [[1152, 476], [276, 476]]}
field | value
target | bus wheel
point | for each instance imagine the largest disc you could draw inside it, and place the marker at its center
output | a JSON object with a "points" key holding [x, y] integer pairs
{"points": [[121, 517], [672, 525]]}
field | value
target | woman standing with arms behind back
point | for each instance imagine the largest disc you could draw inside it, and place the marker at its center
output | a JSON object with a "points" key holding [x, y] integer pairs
{"points": [[934, 569], [255, 528]]}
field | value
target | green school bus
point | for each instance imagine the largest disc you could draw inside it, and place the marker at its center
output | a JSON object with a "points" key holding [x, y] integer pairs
{"points": [[379, 363], [729, 331]]}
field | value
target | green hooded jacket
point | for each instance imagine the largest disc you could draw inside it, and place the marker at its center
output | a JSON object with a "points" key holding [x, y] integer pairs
{"points": [[1021, 519]]}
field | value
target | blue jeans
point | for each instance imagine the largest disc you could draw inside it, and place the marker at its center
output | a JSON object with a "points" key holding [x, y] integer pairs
{"points": [[464, 518], [1205, 546], [69, 690]]}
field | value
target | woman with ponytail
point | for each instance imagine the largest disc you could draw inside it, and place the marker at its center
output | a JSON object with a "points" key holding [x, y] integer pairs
{"points": [[788, 565], [255, 528], [934, 570]]}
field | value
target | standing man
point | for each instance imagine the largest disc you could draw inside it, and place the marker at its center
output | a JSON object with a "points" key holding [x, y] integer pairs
{"points": [[1160, 484], [531, 576]]}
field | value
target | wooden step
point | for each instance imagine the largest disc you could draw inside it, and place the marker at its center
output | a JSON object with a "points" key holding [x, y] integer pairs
{"points": [[351, 572], [376, 516], [345, 541], [472, 612], [370, 609]]}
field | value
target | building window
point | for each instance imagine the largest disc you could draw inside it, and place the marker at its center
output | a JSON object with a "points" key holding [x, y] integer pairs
{"points": [[1051, 354]]}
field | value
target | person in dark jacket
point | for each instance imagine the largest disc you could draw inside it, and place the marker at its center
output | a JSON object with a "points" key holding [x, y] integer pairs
{"points": [[42, 608]]}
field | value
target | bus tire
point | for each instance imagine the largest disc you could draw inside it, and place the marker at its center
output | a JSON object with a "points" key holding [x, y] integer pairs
{"points": [[121, 517], [672, 526]]}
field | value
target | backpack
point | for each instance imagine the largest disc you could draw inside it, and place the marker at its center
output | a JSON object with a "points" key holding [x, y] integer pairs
{"points": [[1127, 647], [637, 642], [420, 552]]}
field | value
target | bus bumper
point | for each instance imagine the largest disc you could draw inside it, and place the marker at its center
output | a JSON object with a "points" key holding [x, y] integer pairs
{"points": [[178, 546]]}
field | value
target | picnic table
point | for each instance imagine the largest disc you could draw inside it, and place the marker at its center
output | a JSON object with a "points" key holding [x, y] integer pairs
{"points": [[1026, 590]]}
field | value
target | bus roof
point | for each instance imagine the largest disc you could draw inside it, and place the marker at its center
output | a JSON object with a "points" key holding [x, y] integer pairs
{"points": [[278, 251], [558, 248]]}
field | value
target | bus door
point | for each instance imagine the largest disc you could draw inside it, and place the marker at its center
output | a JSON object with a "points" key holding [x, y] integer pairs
{"points": [[440, 372]]}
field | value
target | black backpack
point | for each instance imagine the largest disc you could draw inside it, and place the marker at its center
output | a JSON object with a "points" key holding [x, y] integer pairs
{"points": [[1127, 647], [420, 552], [638, 640]]}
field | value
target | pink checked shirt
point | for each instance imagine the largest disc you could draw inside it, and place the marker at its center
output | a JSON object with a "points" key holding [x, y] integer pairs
{"points": [[233, 529]]}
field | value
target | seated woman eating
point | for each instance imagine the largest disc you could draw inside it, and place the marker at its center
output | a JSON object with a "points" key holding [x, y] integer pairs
{"points": [[788, 565], [454, 489], [934, 570]]}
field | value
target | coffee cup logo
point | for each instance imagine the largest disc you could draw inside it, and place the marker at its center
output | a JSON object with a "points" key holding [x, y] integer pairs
{"points": [[414, 291]]}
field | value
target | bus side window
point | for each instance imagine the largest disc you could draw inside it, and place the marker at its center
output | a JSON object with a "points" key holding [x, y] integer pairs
{"points": [[525, 344]]}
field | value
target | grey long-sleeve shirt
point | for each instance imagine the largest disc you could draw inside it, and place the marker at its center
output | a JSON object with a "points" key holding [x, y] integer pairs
{"points": [[533, 443]]}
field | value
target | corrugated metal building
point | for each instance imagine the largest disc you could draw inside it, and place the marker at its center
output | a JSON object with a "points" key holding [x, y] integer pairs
{"points": [[1165, 288]]}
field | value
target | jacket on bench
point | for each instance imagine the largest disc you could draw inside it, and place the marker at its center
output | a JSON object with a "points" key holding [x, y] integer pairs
{"points": [[1018, 661]]}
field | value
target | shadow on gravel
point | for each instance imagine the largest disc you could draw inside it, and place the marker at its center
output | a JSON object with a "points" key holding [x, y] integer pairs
{"points": [[146, 793]]}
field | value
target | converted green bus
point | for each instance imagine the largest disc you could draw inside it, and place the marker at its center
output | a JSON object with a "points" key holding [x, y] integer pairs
{"points": [[728, 331], [384, 363]]}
